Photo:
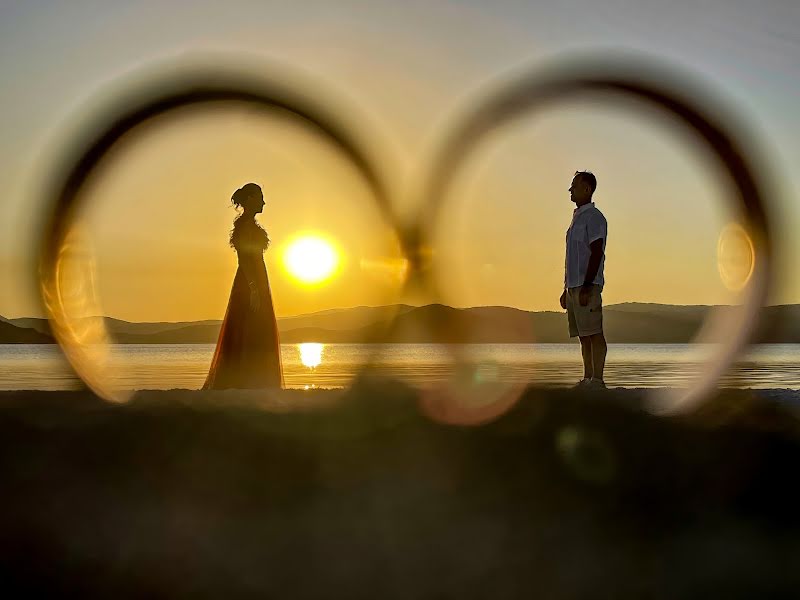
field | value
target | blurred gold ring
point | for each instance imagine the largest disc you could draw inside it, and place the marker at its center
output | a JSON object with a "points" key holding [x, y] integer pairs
{"points": [[654, 84], [266, 86]]}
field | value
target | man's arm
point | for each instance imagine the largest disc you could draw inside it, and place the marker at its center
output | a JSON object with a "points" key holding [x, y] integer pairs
{"points": [[563, 300], [595, 258]]}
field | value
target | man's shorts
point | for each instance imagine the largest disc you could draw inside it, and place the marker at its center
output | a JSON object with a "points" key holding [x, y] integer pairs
{"points": [[585, 320]]}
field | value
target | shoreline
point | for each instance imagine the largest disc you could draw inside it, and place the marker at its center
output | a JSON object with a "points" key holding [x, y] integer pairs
{"points": [[373, 391]]}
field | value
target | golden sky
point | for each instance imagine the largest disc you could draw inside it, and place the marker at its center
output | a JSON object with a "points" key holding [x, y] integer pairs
{"points": [[158, 215]]}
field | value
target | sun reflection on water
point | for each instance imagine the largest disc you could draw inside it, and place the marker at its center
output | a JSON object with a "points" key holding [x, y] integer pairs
{"points": [[311, 354]]}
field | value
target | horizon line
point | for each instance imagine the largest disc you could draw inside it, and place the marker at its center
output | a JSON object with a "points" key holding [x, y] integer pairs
{"points": [[299, 315]]}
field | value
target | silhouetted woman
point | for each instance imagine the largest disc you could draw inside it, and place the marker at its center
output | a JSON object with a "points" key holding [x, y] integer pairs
{"points": [[248, 348]]}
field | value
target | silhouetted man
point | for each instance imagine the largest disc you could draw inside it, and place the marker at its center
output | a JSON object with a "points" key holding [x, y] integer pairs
{"points": [[583, 278]]}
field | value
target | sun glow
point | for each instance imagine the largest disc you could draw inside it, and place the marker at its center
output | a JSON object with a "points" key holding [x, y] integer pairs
{"points": [[310, 354], [311, 259]]}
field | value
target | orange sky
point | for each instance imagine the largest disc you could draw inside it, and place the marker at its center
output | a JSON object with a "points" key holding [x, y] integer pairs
{"points": [[159, 219], [158, 216]]}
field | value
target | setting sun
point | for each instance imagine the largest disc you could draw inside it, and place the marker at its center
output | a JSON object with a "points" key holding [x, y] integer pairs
{"points": [[311, 259]]}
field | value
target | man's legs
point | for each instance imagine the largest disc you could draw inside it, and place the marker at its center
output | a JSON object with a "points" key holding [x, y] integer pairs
{"points": [[597, 353], [586, 351]]}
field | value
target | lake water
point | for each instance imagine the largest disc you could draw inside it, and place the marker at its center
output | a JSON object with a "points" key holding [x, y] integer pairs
{"points": [[24, 366]]}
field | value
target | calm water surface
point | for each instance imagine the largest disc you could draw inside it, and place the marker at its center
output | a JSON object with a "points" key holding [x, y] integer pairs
{"points": [[168, 366]]}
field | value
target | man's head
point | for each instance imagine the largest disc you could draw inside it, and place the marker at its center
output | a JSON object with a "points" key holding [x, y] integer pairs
{"points": [[584, 183]]}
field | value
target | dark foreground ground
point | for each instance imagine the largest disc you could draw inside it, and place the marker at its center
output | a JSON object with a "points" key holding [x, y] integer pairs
{"points": [[201, 495]]}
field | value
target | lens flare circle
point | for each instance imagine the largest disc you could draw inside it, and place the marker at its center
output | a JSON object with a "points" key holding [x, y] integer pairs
{"points": [[735, 257], [311, 259]]}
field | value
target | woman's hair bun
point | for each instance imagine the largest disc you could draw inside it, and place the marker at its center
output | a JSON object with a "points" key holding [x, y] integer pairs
{"points": [[244, 192]]}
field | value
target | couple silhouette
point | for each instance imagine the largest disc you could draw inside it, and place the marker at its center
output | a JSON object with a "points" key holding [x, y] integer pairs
{"points": [[248, 348], [248, 353]]}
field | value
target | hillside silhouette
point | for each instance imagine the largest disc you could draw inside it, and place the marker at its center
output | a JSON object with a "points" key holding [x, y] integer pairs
{"points": [[624, 323], [13, 334]]}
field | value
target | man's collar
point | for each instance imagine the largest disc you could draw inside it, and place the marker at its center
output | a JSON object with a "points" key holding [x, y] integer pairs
{"points": [[583, 208]]}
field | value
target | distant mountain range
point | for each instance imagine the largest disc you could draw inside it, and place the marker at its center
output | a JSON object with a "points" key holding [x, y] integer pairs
{"points": [[11, 333], [623, 323]]}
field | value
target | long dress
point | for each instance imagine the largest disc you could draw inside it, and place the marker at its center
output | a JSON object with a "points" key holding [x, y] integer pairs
{"points": [[248, 348]]}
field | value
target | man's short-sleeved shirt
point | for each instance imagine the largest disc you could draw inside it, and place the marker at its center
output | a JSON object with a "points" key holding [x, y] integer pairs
{"points": [[588, 225]]}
